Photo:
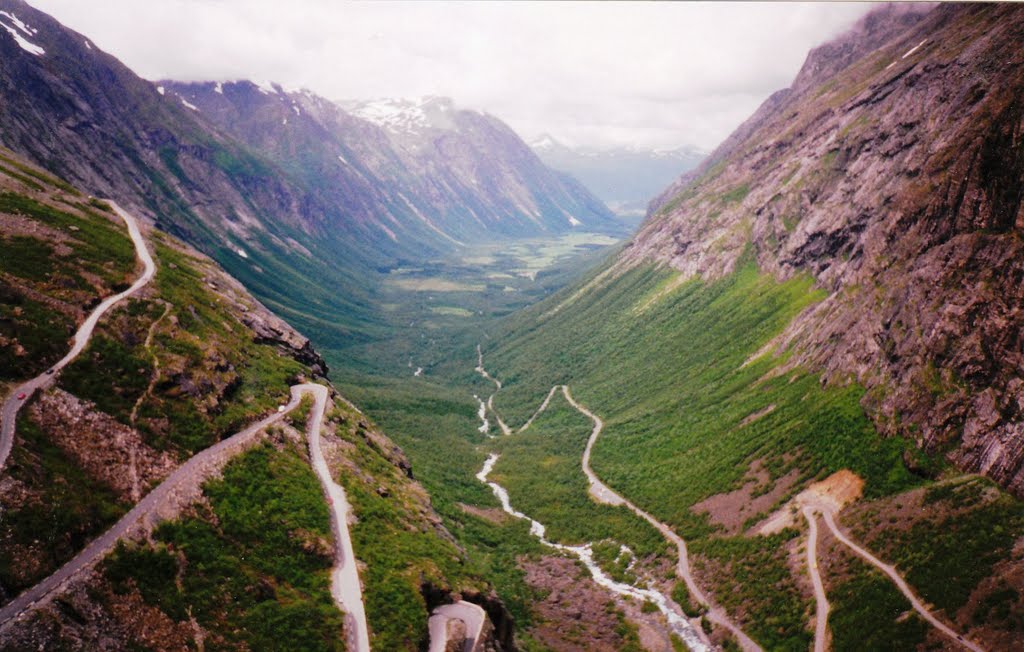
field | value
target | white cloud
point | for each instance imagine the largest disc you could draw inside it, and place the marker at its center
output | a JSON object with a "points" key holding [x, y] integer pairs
{"points": [[653, 74]]}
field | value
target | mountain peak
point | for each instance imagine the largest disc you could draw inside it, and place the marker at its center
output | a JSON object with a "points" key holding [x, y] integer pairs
{"points": [[406, 116]]}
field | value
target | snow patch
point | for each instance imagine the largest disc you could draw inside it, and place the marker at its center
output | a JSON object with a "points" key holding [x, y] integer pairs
{"points": [[189, 104], [573, 221], [20, 25], [24, 43], [241, 252], [161, 90], [266, 87], [219, 88], [406, 116], [914, 49], [418, 372], [296, 109], [342, 159], [88, 45], [284, 121]]}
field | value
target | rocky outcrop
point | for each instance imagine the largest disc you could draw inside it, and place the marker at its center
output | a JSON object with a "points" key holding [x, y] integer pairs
{"points": [[101, 446], [892, 172]]}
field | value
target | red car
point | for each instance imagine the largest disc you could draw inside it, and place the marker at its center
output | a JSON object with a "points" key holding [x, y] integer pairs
{"points": [[21, 396]]}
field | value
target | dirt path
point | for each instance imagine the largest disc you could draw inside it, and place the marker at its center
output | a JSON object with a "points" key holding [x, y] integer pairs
{"points": [[900, 583], [155, 377], [344, 577], [9, 413], [820, 598]]}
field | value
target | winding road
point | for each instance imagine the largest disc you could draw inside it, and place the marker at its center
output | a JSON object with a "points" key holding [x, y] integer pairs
{"points": [[820, 598], [605, 494], [344, 577], [900, 583], [602, 493], [9, 412], [345, 587]]}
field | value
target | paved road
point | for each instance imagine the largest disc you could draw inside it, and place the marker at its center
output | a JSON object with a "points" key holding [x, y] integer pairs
{"points": [[900, 584], [821, 600], [99, 547], [471, 614], [345, 586], [344, 577], [11, 406], [603, 493]]}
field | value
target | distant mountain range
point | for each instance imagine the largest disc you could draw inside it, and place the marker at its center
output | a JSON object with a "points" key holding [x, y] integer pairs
{"points": [[625, 178], [321, 200]]}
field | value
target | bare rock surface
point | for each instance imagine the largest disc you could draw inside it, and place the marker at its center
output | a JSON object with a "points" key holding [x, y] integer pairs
{"points": [[100, 445]]}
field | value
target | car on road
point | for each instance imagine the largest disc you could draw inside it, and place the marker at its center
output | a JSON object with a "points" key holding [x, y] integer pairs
{"points": [[21, 396], [49, 372]]}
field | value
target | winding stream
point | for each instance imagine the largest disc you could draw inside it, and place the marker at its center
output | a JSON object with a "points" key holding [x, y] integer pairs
{"points": [[677, 622]]}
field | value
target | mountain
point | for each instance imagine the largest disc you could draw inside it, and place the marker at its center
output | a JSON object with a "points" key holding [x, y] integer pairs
{"points": [[823, 319], [155, 399], [894, 181], [319, 205], [436, 172], [625, 178]]}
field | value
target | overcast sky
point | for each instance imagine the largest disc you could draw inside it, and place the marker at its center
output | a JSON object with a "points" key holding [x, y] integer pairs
{"points": [[601, 74]]}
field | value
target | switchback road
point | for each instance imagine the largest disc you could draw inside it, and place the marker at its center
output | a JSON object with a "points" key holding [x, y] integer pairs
{"points": [[9, 413]]}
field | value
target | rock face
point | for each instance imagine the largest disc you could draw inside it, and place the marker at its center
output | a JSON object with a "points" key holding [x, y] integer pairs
{"points": [[892, 172]]}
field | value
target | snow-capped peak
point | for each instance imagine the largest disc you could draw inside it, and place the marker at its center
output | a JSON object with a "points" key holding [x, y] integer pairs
{"points": [[267, 87], [403, 116]]}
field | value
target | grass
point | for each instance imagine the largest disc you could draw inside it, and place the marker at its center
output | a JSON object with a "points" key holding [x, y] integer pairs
{"points": [[540, 468], [755, 579], [255, 571], [869, 613], [221, 378], [944, 558], [674, 389]]}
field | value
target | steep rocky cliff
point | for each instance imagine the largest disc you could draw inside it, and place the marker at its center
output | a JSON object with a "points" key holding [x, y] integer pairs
{"points": [[892, 171]]}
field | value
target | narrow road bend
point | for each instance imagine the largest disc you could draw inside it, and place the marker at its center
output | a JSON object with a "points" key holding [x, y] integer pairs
{"points": [[900, 583], [345, 587], [604, 494], [9, 412]]}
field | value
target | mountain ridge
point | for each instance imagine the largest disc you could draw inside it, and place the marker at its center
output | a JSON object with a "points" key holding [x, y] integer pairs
{"points": [[894, 183]]}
